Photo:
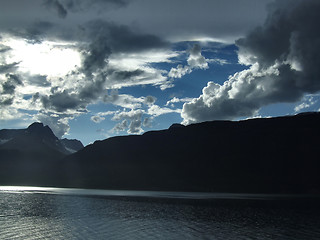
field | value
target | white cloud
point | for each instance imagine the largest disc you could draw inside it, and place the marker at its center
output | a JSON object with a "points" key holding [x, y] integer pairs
{"points": [[156, 110], [174, 100], [119, 127], [179, 71], [128, 101], [307, 102], [133, 120], [59, 124], [7, 114], [195, 61], [218, 61], [283, 64], [134, 116], [45, 58], [147, 122], [136, 69]]}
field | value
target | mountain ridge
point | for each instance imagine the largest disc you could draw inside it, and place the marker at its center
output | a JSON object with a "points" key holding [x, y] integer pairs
{"points": [[20, 139], [263, 155], [276, 155], [29, 156]]}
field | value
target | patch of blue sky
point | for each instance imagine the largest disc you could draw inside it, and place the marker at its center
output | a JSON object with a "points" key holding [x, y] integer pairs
{"points": [[27, 96], [164, 121], [92, 131], [309, 103], [277, 109]]}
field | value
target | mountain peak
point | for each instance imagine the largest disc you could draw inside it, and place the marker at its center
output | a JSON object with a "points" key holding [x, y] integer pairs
{"points": [[38, 128], [176, 125], [35, 125]]}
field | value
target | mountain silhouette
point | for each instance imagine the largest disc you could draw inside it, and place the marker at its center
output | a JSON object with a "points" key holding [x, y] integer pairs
{"points": [[267, 155], [30, 154]]}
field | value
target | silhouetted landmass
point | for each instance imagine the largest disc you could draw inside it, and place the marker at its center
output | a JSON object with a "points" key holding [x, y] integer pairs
{"points": [[28, 156], [267, 155], [71, 145]]}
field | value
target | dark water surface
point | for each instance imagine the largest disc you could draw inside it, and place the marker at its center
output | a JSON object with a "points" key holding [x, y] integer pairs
{"points": [[48, 213]]}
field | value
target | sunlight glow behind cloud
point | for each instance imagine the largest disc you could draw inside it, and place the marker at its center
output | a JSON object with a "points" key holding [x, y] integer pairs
{"points": [[46, 58]]}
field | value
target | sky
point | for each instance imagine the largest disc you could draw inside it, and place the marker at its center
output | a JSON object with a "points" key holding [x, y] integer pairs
{"points": [[93, 69]]}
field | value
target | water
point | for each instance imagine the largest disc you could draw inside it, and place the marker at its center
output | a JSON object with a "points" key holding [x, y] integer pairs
{"points": [[48, 213]]}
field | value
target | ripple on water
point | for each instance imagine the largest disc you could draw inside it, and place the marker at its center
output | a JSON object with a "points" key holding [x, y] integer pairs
{"points": [[47, 216]]}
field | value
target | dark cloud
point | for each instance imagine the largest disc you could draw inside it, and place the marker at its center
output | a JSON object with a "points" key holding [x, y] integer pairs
{"points": [[97, 119], [35, 97], [8, 67], [189, 19], [36, 31], [62, 7], [105, 38], [95, 57], [6, 101], [93, 89], [125, 75], [15, 79], [9, 86], [57, 7], [39, 80], [3, 48], [7, 89], [61, 101], [120, 38], [284, 61], [149, 100], [169, 19]]}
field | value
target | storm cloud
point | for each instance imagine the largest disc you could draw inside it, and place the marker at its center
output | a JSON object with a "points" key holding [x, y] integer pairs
{"points": [[71, 54], [4, 68], [7, 88], [57, 7], [100, 40], [63, 7], [283, 63]]}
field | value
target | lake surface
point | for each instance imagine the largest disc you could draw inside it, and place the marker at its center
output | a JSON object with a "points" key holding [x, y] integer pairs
{"points": [[56, 213]]}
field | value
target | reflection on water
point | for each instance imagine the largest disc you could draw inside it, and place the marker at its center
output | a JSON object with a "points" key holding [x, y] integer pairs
{"points": [[31, 215]]}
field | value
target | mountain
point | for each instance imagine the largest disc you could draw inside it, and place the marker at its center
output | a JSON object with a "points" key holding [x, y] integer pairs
{"points": [[31, 153], [71, 145], [37, 138], [267, 155]]}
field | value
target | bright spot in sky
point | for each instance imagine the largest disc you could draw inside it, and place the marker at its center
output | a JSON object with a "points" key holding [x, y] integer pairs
{"points": [[46, 58]]}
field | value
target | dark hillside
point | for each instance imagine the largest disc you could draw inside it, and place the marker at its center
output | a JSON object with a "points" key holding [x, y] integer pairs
{"points": [[277, 155]]}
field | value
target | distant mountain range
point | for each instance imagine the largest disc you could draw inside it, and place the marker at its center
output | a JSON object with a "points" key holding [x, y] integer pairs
{"points": [[28, 155], [266, 155], [37, 138]]}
